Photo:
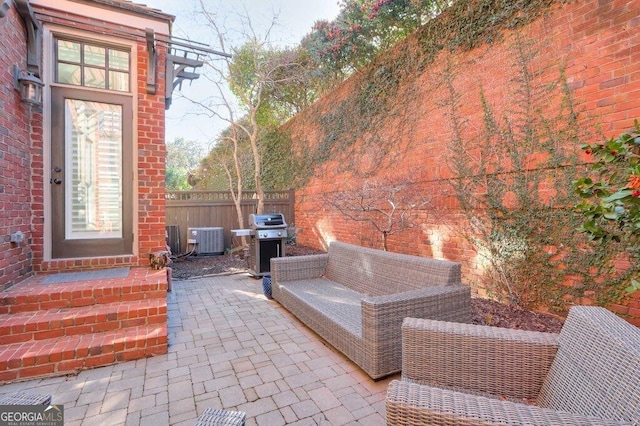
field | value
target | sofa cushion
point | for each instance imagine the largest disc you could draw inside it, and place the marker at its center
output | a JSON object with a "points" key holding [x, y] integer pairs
{"points": [[337, 302], [377, 273]]}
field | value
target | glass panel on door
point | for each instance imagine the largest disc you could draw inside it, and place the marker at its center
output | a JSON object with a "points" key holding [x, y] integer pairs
{"points": [[91, 173], [93, 187]]}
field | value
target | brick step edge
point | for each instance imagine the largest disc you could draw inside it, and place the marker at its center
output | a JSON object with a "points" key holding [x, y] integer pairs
{"points": [[55, 357], [57, 323], [11, 303]]}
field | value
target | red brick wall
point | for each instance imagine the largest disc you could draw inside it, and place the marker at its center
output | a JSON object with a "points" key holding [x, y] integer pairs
{"points": [[22, 164], [598, 41], [151, 160], [15, 157]]}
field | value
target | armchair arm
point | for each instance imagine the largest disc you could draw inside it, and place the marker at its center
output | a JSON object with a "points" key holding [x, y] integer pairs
{"points": [[295, 268], [475, 358], [451, 303], [413, 404], [382, 319], [298, 267]]}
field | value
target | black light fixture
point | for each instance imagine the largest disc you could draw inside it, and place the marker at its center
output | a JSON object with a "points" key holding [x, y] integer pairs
{"points": [[29, 86]]}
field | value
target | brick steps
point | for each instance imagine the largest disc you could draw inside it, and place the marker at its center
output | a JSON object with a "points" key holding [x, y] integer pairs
{"points": [[49, 357], [56, 329], [54, 323], [39, 297]]}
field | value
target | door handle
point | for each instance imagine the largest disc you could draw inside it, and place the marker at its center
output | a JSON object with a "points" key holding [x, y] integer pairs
{"points": [[57, 181]]}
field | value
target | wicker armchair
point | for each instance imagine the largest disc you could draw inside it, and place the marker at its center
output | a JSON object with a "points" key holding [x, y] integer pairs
{"points": [[462, 374]]}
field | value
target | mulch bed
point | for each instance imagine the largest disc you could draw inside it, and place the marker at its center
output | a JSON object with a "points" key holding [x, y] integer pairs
{"points": [[486, 312]]}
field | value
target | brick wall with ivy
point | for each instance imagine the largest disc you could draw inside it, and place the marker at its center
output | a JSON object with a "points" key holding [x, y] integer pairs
{"points": [[481, 115]]}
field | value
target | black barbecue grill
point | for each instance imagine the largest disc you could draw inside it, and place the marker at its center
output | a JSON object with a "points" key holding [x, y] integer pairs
{"points": [[268, 239]]}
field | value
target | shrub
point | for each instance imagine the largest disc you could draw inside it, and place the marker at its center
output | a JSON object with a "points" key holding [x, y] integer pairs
{"points": [[611, 197]]}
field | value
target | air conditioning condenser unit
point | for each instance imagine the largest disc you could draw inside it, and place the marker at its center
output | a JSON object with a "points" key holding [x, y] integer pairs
{"points": [[207, 240]]}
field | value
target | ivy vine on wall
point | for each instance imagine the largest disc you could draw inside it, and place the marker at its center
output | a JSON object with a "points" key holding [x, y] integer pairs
{"points": [[517, 197], [518, 194], [353, 122]]}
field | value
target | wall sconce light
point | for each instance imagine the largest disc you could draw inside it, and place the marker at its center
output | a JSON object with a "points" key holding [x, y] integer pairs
{"points": [[29, 86]]}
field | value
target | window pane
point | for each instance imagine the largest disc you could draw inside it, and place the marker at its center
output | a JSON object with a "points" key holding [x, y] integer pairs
{"points": [[94, 77], [69, 74], [119, 60], [94, 55], [119, 81], [94, 150], [93, 66], [68, 51]]}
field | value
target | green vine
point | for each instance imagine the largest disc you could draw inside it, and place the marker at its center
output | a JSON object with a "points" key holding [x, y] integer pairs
{"points": [[516, 198], [467, 25], [280, 167], [518, 214], [355, 120]]}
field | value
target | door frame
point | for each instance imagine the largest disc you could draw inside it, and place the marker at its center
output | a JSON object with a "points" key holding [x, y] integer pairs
{"points": [[62, 248], [50, 32]]}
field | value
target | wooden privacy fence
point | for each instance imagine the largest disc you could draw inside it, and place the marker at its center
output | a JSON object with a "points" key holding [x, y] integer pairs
{"points": [[205, 209]]}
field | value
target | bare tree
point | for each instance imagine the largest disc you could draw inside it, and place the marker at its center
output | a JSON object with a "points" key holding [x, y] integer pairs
{"points": [[229, 149], [242, 85], [390, 207]]}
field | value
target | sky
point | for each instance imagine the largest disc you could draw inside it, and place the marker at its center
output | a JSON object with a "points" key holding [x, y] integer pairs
{"points": [[294, 19]]}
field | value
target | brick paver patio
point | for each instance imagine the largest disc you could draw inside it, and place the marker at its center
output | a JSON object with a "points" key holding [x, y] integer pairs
{"points": [[230, 348]]}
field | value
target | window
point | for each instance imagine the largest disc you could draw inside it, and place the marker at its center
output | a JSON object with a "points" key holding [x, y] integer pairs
{"points": [[91, 65]]}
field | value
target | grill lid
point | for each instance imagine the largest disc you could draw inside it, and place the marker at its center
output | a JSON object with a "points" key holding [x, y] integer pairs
{"points": [[267, 221]]}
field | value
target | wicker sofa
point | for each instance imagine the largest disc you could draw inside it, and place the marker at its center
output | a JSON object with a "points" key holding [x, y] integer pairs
{"points": [[356, 298], [462, 374]]}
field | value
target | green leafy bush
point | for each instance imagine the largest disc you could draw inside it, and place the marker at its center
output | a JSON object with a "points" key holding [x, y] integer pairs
{"points": [[611, 197]]}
